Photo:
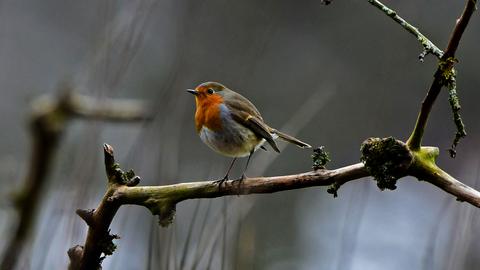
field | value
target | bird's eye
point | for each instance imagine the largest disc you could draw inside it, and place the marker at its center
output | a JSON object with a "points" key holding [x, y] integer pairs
{"points": [[210, 91]]}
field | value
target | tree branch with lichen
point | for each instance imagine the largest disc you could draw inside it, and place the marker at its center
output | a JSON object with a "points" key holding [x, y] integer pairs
{"points": [[48, 121], [444, 76], [428, 46], [387, 160], [162, 200]]}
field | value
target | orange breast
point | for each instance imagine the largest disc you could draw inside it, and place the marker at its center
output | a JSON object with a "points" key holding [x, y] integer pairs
{"points": [[208, 113]]}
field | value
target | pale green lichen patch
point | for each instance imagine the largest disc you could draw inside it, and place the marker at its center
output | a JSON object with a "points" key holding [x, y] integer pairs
{"points": [[423, 165], [427, 154], [447, 72], [165, 209]]}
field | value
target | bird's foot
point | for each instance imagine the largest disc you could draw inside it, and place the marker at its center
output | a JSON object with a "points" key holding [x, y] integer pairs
{"points": [[220, 181], [239, 181]]}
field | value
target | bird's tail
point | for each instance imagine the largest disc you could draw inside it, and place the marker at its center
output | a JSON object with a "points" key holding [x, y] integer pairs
{"points": [[290, 139]]}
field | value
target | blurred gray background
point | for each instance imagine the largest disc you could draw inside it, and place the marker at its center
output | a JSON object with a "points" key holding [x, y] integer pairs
{"points": [[332, 75]]}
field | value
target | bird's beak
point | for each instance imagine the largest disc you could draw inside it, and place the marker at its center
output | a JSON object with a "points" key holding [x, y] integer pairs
{"points": [[193, 92]]}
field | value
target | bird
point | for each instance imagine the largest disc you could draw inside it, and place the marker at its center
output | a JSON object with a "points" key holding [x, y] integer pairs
{"points": [[232, 126]]}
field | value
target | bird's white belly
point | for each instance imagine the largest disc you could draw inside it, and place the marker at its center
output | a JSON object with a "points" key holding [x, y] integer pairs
{"points": [[234, 140]]}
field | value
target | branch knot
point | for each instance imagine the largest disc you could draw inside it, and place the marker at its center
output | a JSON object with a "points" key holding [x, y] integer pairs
{"points": [[386, 160]]}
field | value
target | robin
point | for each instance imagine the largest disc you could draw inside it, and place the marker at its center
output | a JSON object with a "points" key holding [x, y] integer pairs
{"points": [[231, 125]]}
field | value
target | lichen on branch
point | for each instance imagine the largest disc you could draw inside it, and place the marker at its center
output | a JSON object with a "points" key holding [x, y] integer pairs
{"points": [[387, 160], [428, 46], [444, 75], [99, 242], [320, 158], [448, 78], [457, 119]]}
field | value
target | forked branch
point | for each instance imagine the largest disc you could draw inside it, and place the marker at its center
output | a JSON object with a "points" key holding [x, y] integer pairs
{"points": [[444, 75], [162, 200], [387, 160]]}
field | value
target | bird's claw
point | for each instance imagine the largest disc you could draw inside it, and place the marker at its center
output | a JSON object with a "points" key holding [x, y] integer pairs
{"points": [[239, 180], [220, 181]]}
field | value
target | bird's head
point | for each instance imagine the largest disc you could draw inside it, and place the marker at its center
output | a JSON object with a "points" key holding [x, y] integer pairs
{"points": [[208, 91]]}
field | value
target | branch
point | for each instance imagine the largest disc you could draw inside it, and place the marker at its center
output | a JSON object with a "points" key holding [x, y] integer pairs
{"points": [[387, 160], [112, 110], [70, 104], [457, 119], [48, 121], [162, 200], [444, 74], [384, 159], [449, 184], [428, 46], [99, 239]]}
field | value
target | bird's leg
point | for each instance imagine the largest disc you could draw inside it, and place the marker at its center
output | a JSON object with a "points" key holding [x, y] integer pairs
{"points": [[219, 182], [246, 166], [244, 170]]}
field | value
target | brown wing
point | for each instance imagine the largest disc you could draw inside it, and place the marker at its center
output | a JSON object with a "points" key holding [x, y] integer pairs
{"points": [[237, 102], [245, 113]]}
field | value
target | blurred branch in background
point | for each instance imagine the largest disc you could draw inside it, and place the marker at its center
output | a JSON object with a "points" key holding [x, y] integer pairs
{"points": [[48, 121]]}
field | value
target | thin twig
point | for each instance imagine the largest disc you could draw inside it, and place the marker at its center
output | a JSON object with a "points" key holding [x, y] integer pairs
{"points": [[445, 69], [428, 46]]}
